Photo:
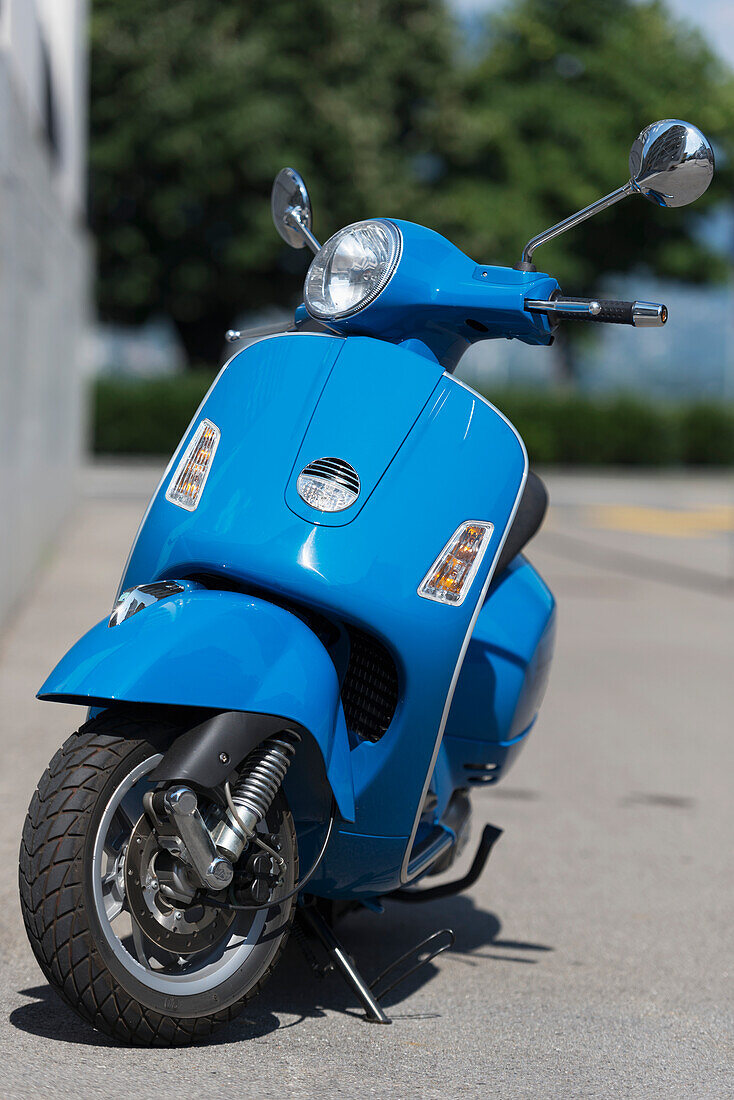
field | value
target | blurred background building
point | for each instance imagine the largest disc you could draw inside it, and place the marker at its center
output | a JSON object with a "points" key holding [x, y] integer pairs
{"points": [[44, 264]]}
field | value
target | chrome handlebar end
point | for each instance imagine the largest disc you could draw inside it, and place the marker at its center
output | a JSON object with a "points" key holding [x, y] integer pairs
{"points": [[649, 314]]}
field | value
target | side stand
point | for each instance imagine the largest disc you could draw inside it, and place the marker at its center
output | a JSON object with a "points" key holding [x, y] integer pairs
{"points": [[368, 994], [344, 963]]}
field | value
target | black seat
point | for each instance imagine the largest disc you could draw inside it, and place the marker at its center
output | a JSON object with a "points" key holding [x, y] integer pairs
{"points": [[528, 518]]}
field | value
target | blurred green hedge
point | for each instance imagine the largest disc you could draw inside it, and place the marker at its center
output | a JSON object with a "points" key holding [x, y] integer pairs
{"points": [[132, 417], [145, 417], [570, 429]]}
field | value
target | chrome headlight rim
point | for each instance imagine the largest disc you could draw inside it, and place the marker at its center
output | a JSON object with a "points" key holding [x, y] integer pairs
{"points": [[328, 249]]}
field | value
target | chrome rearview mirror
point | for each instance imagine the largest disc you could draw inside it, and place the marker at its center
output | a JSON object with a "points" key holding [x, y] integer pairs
{"points": [[291, 208], [671, 164]]}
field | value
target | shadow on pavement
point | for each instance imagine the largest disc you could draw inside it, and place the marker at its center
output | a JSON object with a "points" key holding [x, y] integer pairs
{"points": [[294, 990], [375, 941], [50, 1018]]}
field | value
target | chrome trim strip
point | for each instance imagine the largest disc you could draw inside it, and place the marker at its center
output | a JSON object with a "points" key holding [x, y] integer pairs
{"points": [[431, 854], [137, 599], [404, 877]]}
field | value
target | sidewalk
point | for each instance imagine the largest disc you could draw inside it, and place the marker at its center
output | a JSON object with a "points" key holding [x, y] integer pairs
{"points": [[593, 959]]}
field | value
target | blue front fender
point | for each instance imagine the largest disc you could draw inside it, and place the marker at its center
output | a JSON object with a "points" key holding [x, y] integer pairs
{"points": [[220, 650]]}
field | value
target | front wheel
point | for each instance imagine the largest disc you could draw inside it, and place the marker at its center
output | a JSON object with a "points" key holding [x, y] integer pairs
{"points": [[137, 967]]}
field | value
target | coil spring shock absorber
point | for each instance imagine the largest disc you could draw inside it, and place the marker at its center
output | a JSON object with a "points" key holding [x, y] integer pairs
{"points": [[252, 795]]}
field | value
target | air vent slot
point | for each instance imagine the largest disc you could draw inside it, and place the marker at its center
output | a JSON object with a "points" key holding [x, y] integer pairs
{"points": [[328, 484], [484, 773], [334, 469], [370, 688]]}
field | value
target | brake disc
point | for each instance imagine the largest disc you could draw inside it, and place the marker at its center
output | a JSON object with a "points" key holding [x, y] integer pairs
{"points": [[179, 928]]}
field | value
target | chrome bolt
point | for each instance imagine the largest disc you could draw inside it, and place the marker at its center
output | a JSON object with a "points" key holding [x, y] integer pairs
{"points": [[219, 874], [224, 758], [182, 799], [178, 915]]}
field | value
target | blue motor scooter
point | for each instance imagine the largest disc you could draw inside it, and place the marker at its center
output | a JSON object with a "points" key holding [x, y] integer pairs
{"points": [[325, 637]]}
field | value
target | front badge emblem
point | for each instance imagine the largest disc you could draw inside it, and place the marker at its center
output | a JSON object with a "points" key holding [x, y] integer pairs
{"points": [[328, 484]]}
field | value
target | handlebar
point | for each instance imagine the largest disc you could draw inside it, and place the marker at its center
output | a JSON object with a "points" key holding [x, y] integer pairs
{"points": [[601, 310]]}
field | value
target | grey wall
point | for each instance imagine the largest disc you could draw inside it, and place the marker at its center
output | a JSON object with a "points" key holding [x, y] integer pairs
{"points": [[44, 265]]}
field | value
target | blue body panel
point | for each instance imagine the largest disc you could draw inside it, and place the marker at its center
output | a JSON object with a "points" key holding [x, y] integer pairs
{"points": [[503, 679], [222, 649], [354, 397], [494, 707]]}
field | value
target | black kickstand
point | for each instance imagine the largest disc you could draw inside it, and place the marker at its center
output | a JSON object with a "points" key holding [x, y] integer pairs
{"points": [[343, 961]]}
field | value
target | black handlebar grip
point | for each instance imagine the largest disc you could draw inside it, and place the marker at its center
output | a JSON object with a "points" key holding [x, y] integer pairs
{"points": [[614, 312], [610, 311]]}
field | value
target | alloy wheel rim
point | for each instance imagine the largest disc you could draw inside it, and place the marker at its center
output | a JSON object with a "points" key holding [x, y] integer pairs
{"points": [[150, 964]]}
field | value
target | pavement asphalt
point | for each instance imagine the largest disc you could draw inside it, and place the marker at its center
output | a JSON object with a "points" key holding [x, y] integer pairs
{"points": [[595, 956]]}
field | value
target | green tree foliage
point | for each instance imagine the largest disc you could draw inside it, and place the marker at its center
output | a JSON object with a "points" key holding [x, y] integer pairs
{"points": [[195, 106], [197, 103], [548, 113]]}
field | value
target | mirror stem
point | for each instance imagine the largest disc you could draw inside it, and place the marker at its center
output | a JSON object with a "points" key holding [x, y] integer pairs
{"points": [[526, 263], [293, 215]]}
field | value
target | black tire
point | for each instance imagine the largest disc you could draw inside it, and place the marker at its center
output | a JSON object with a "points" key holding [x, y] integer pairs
{"points": [[60, 914]]}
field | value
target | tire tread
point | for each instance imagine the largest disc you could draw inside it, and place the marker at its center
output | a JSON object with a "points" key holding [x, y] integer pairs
{"points": [[51, 890]]}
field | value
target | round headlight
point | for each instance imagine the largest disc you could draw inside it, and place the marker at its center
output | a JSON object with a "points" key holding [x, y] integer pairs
{"points": [[352, 268]]}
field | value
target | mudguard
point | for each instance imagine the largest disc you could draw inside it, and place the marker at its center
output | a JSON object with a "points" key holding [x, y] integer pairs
{"points": [[220, 650]]}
